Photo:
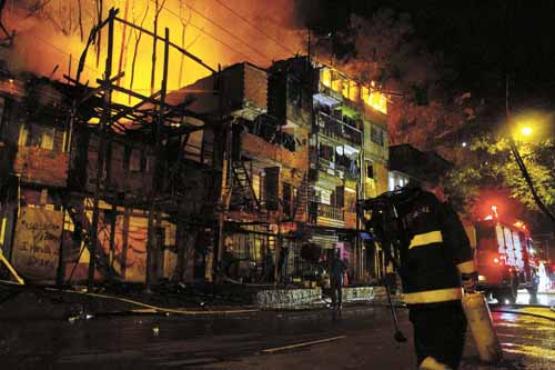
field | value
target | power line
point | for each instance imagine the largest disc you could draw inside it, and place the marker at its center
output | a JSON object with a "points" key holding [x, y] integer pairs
{"points": [[64, 52], [230, 34], [238, 52], [255, 27], [214, 37]]}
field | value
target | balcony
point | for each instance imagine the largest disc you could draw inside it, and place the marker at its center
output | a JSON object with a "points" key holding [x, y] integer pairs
{"points": [[327, 211], [342, 167], [336, 129]]}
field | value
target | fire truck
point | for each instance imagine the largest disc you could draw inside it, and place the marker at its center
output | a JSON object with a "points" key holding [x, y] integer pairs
{"points": [[504, 258]]}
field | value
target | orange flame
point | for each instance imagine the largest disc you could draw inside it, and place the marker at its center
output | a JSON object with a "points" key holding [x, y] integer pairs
{"points": [[218, 32]]}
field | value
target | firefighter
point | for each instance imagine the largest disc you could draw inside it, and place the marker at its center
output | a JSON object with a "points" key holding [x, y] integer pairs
{"points": [[436, 263]]}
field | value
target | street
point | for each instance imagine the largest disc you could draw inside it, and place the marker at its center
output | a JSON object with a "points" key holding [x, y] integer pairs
{"points": [[543, 299], [361, 339]]}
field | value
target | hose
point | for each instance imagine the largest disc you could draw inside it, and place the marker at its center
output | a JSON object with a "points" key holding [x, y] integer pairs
{"points": [[153, 307], [142, 305]]}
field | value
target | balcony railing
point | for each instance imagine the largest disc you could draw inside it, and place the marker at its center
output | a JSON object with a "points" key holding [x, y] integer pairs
{"points": [[327, 211], [340, 168], [337, 129]]}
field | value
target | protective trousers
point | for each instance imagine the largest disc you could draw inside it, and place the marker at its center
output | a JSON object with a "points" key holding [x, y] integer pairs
{"points": [[337, 292], [439, 333]]}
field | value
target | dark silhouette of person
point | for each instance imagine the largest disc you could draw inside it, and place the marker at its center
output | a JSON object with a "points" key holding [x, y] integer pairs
{"points": [[338, 268]]}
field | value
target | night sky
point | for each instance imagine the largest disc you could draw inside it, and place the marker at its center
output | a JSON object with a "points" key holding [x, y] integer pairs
{"points": [[482, 41]]}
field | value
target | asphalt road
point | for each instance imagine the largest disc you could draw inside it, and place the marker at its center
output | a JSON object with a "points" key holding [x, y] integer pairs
{"points": [[361, 339]]}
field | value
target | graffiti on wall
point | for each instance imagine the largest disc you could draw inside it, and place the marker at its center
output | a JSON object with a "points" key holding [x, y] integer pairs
{"points": [[37, 243]]}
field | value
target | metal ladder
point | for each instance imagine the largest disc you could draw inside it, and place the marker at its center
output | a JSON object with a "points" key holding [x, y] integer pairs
{"points": [[303, 197], [244, 195]]}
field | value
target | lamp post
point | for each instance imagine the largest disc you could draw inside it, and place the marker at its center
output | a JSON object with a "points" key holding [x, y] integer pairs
{"points": [[518, 159]]}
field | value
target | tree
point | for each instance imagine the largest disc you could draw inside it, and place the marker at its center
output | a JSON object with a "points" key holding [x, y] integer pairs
{"points": [[490, 163]]}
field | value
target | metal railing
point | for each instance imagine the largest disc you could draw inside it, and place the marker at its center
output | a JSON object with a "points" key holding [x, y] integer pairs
{"points": [[352, 172], [337, 129], [327, 211]]}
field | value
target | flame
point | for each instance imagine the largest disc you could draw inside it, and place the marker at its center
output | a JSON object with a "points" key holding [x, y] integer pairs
{"points": [[353, 90], [375, 99], [325, 77], [54, 34]]}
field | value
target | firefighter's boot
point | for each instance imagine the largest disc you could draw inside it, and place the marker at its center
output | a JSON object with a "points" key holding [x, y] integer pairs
{"points": [[431, 363]]}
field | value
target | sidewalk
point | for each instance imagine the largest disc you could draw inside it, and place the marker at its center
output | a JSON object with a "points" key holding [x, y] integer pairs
{"points": [[32, 302]]}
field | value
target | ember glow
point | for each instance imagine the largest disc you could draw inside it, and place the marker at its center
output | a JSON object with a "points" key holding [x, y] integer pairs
{"points": [[215, 31]]}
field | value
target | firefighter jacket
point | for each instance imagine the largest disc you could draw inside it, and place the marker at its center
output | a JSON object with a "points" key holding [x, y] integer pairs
{"points": [[436, 250]]}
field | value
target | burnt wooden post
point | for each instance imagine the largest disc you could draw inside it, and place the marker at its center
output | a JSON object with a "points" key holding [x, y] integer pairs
{"points": [[104, 120], [124, 241], [152, 247], [226, 185]]}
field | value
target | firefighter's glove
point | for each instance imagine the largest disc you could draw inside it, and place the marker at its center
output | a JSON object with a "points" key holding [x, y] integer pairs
{"points": [[469, 282]]}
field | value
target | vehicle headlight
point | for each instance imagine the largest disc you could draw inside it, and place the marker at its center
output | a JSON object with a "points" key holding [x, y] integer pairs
{"points": [[481, 278]]}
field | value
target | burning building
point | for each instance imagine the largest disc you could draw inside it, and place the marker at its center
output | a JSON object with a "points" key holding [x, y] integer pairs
{"points": [[87, 181], [251, 173], [304, 144]]}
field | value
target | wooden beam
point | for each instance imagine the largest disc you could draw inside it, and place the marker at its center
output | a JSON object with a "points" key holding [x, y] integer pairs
{"points": [[175, 46]]}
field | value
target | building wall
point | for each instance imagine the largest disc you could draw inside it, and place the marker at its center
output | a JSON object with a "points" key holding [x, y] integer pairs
{"points": [[255, 88], [256, 147], [128, 256], [35, 152], [129, 165], [41, 166], [35, 252]]}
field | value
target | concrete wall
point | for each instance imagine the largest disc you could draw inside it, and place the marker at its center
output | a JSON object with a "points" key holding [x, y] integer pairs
{"points": [[287, 298], [294, 299], [255, 86], [364, 293]]}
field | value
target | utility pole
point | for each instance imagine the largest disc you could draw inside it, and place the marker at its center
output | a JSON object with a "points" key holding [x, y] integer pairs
{"points": [[104, 120], [226, 185]]}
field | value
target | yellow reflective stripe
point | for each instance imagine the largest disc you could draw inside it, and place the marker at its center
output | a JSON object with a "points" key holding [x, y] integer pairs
{"points": [[433, 296], [466, 267], [431, 363], [426, 238]]}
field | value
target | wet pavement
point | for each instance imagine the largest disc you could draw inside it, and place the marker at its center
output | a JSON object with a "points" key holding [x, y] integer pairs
{"points": [[542, 299], [361, 339]]}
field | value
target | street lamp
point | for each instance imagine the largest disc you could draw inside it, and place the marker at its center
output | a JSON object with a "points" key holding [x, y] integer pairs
{"points": [[526, 131]]}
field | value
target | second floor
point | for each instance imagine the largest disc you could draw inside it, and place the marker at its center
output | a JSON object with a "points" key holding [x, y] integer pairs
{"points": [[34, 149]]}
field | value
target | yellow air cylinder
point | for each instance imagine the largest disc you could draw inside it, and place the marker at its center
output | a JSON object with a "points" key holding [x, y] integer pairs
{"points": [[479, 319]]}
